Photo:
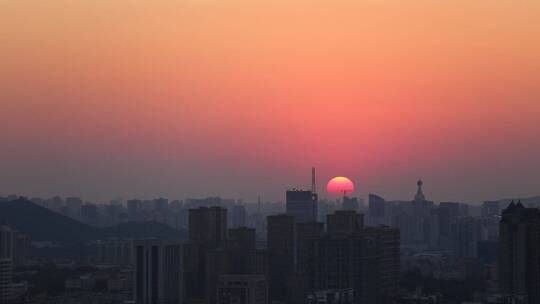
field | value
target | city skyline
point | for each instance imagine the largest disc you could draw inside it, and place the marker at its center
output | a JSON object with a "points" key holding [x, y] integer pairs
{"points": [[240, 99]]}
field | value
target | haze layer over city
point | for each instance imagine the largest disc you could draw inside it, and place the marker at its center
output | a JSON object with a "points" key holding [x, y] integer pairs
{"points": [[239, 98], [269, 152]]}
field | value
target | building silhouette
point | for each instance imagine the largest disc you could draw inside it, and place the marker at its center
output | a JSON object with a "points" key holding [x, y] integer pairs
{"points": [[302, 205], [519, 253], [158, 272], [387, 241], [344, 221], [377, 213], [281, 252], [208, 226], [6, 274], [242, 289]]}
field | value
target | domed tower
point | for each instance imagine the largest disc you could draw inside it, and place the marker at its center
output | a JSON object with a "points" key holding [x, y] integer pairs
{"points": [[420, 194]]}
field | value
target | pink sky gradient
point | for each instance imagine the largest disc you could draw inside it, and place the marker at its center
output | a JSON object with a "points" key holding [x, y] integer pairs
{"points": [[237, 98]]}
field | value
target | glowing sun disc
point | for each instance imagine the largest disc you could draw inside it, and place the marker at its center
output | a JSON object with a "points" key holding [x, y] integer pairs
{"points": [[340, 185]]}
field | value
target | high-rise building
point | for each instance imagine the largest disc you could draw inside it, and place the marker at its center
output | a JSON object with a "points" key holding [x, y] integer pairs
{"points": [[281, 248], [350, 203], [161, 205], [238, 216], [134, 208], [21, 249], [6, 271], [299, 282], [376, 209], [14, 245], [332, 296], [302, 205], [519, 253], [306, 234], [90, 214], [115, 252], [342, 261], [158, 272], [208, 226], [205, 256], [194, 272], [387, 261], [467, 233], [491, 208], [242, 289], [241, 249], [344, 221], [55, 204], [6, 242], [73, 207]]}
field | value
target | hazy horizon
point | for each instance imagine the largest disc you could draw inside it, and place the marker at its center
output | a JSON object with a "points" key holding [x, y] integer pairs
{"points": [[239, 99]]}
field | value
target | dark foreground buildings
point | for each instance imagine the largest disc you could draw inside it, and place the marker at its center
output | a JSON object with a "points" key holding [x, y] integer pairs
{"points": [[302, 262], [305, 260], [519, 254], [158, 272]]}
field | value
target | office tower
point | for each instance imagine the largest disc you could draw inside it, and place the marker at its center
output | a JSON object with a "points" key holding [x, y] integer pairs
{"points": [[241, 249], [6, 263], [158, 272], [453, 208], [332, 296], [21, 249], [161, 205], [73, 207], [302, 205], [6, 242], [55, 204], [350, 203], [115, 252], [490, 228], [447, 214], [14, 245], [280, 237], [6, 273], [217, 264], [242, 289], [299, 282], [306, 233], [467, 233], [194, 272], [387, 261], [342, 261], [238, 216], [344, 221], [206, 256], [519, 253], [261, 262], [134, 208], [89, 214], [376, 209], [491, 208], [208, 226]]}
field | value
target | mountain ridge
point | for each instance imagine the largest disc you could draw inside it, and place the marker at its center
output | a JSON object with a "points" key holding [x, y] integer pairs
{"points": [[42, 224]]}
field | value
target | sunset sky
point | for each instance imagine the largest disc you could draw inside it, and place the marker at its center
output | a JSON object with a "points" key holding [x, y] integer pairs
{"points": [[191, 98]]}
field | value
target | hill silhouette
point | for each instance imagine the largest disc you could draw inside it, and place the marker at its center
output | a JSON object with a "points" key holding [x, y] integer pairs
{"points": [[42, 224]]}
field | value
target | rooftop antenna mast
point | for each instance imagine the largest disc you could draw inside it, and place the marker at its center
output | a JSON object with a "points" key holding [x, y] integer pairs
{"points": [[313, 184]]}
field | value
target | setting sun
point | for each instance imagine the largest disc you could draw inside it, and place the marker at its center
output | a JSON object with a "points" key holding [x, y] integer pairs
{"points": [[340, 185]]}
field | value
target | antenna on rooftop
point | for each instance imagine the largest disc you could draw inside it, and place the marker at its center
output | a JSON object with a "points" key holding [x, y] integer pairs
{"points": [[313, 184]]}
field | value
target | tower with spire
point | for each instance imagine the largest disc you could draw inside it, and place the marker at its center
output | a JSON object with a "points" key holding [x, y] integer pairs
{"points": [[419, 193]]}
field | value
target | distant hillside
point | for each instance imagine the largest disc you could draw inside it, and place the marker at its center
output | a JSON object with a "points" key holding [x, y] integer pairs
{"points": [[42, 224]]}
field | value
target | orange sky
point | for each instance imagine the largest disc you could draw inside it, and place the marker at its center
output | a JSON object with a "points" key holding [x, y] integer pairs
{"points": [[103, 99]]}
